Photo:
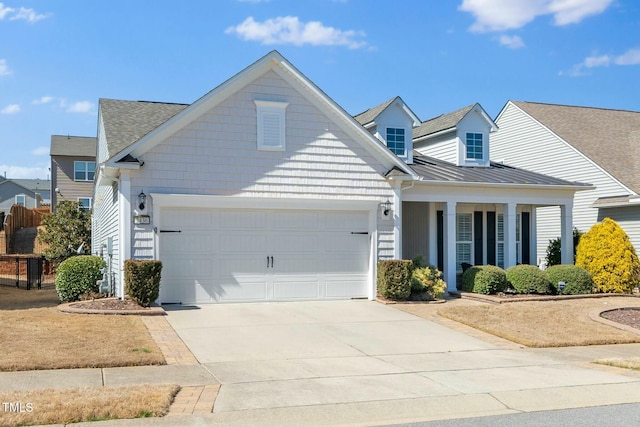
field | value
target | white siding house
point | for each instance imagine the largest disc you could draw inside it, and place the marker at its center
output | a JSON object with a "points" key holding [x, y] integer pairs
{"points": [[576, 144]]}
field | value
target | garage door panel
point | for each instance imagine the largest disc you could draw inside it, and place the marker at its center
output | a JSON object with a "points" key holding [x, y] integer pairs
{"points": [[228, 289], [302, 221], [295, 264], [344, 288], [346, 264], [186, 219], [351, 221], [295, 289], [188, 266], [242, 219], [237, 242]]}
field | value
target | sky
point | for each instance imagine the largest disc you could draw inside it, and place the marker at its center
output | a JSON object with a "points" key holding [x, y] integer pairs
{"points": [[58, 58]]}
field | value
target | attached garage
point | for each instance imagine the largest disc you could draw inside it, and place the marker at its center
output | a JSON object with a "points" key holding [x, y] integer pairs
{"points": [[245, 254]]}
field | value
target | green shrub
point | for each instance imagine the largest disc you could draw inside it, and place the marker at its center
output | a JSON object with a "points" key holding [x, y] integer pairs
{"points": [[77, 275], [529, 279], [427, 283], [576, 279], [394, 279], [142, 280], [554, 253], [484, 279], [608, 255]]}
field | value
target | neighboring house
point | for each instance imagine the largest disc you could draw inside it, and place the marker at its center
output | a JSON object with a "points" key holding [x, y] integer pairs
{"points": [[73, 165], [266, 189], [594, 145], [30, 193]]}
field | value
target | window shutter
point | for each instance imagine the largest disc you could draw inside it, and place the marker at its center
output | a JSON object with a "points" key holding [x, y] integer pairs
{"points": [[271, 125]]}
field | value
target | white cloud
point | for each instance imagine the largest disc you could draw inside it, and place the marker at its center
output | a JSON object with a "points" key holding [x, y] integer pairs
{"points": [[43, 100], [10, 109], [501, 15], [40, 151], [24, 172], [289, 30], [630, 57], [80, 107], [28, 15], [4, 11], [4, 68], [512, 42]]}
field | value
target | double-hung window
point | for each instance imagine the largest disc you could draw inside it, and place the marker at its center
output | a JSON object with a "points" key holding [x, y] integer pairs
{"points": [[474, 146], [84, 171], [500, 239], [85, 203], [21, 200], [396, 141]]}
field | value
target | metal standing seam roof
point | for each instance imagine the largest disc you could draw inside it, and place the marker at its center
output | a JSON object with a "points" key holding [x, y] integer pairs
{"points": [[431, 169], [610, 138], [73, 146], [125, 122], [440, 123]]}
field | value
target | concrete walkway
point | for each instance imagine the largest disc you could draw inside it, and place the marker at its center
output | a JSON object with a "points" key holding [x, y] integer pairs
{"points": [[347, 363]]}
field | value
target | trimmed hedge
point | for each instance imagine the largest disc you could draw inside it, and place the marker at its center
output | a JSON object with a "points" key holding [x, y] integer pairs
{"points": [[529, 279], [577, 280], [142, 280], [77, 276], [394, 279], [484, 279]]}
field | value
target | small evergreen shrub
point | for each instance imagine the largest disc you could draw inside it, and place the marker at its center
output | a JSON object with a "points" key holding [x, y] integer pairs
{"points": [[608, 255], [394, 279], [142, 280], [484, 279], [427, 283], [78, 275], [554, 253], [576, 279], [529, 279]]}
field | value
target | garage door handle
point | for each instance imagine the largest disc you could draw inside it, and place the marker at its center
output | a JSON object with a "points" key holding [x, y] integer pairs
{"points": [[271, 262], [267, 261]]}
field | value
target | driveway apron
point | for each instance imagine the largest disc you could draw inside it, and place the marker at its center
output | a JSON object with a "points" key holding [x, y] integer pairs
{"points": [[301, 354]]}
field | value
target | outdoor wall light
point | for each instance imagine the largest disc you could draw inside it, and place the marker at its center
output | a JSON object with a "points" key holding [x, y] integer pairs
{"points": [[386, 208], [142, 200]]}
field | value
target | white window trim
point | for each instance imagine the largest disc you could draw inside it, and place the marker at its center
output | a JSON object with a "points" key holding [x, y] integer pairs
{"points": [[386, 136], [24, 197], [466, 147], [271, 108], [86, 198], [86, 170]]}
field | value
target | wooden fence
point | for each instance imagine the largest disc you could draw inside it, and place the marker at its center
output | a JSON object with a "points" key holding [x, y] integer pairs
{"points": [[20, 217]]}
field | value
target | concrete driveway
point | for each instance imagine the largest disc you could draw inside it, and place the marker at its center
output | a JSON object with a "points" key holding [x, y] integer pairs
{"points": [[364, 362]]}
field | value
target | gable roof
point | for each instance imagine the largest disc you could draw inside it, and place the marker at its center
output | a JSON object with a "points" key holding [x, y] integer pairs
{"points": [[369, 116], [432, 169], [175, 116], [609, 138], [73, 146], [441, 123], [125, 122]]}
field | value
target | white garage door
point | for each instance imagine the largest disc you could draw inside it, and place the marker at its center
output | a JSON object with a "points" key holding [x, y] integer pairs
{"points": [[212, 255]]}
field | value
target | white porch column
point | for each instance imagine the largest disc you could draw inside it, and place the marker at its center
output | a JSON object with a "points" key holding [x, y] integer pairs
{"points": [[450, 246], [397, 219], [533, 239], [510, 255], [433, 234], [566, 233], [124, 234]]}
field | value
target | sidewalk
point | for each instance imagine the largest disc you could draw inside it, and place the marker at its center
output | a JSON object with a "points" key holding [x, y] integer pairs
{"points": [[468, 385]]}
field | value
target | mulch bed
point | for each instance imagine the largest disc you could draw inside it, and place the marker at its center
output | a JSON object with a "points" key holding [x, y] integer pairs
{"points": [[627, 316], [108, 304]]}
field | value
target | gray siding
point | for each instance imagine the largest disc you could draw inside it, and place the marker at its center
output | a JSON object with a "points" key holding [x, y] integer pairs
{"points": [[62, 179], [105, 224], [444, 147], [523, 142], [217, 155]]}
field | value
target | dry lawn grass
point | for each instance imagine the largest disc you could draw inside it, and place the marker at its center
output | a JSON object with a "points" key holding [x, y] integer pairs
{"points": [[19, 299], [63, 406], [633, 363], [541, 323], [44, 338]]}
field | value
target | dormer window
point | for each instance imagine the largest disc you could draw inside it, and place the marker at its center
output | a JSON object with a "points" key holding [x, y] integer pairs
{"points": [[474, 146], [396, 141]]}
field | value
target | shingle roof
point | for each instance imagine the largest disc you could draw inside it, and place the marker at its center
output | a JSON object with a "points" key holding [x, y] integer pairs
{"points": [[76, 146], [610, 138], [370, 115], [440, 123], [125, 122], [431, 169]]}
